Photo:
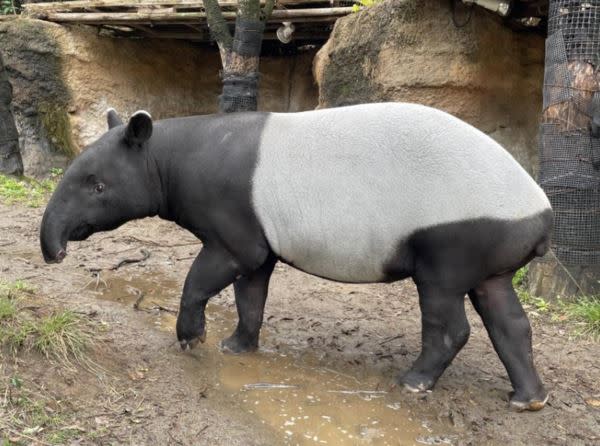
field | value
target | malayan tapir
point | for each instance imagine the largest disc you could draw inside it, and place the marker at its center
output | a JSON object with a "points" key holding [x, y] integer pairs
{"points": [[365, 193]]}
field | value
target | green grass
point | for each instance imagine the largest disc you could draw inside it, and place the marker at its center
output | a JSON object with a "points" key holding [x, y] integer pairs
{"points": [[587, 311], [584, 311], [28, 191], [8, 309], [16, 287], [28, 413], [61, 335]]}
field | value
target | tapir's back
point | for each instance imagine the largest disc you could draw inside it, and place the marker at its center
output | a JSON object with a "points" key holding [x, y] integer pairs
{"points": [[336, 190]]}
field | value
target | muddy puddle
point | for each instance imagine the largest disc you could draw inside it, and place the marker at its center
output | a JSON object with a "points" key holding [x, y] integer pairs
{"points": [[296, 394]]}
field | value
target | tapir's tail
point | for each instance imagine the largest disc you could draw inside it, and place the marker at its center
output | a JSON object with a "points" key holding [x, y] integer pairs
{"points": [[544, 244], [542, 247]]}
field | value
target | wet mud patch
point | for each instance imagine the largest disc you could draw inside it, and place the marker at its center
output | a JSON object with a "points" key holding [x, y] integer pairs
{"points": [[296, 394]]}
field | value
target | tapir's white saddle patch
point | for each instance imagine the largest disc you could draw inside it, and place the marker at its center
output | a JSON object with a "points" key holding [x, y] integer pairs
{"points": [[336, 190]]}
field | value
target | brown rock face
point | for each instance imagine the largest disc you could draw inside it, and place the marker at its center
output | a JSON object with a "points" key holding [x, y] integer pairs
{"points": [[65, 78], [10, 155], [410, 51]]}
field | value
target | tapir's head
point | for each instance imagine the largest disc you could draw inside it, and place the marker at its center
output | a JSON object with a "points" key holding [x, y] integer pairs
{"points": [[110, 183]]}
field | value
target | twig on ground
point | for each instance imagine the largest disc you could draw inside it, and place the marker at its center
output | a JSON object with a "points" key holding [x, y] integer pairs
{"points": [[138, 301], [185, 258], [359, 392], [161, 308], [202, 430], [162, 245], [268, 386], [145, 256], [391, 338], [19, 434]]}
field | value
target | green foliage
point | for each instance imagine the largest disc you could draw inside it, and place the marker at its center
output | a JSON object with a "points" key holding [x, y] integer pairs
{"points": [[28, 191], [519, 282], [9, 7], [56, 172], [520, 277], [361, 4]]}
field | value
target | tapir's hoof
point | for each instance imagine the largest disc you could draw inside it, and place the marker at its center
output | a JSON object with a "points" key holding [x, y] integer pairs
{"points": [[416, 383], [192, 343], [532, 405], [234, 345]]}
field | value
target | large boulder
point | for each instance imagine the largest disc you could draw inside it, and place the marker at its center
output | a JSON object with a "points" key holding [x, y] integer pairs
{"points": [[410, 50]]}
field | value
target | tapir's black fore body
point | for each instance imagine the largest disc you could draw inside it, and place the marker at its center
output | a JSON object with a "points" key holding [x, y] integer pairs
{"points": [[198, 172], [206, 173], [211, 182]]}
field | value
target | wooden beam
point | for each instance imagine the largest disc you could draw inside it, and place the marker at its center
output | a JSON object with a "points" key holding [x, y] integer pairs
{"points": [[206, 38], [148, 32], [279, 15], [178, 4]]}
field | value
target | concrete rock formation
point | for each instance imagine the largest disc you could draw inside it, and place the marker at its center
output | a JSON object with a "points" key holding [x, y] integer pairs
{"points": [[65, 78], [410, 50]]}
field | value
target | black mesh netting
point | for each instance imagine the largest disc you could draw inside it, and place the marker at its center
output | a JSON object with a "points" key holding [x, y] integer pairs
{"points": [[248, 37], [577, 211], [239, 93], [569, 151]]}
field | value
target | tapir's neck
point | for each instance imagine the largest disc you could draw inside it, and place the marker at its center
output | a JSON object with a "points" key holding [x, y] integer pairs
{"points": [[202, 167], [158, 171]]}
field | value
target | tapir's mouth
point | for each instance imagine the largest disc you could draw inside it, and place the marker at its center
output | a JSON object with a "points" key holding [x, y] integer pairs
{"points": [[81, 232], [60, 255]]}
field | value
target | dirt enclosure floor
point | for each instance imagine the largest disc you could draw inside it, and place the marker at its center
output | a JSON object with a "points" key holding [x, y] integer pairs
{"points": [[324, 373]]}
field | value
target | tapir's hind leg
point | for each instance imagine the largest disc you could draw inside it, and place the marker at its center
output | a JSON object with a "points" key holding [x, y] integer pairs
{"points": [[445, 330], [250, 297], [498, 305]]}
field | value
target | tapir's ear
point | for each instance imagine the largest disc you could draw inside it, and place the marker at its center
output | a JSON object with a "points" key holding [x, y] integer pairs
{"points": [[113, 118], [139, 128]]}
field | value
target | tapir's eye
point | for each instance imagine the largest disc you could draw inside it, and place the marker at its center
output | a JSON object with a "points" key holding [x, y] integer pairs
{"points": [[99, 187]]}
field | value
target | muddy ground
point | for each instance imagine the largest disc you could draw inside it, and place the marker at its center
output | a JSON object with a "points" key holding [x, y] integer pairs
{"points": [[337, 347]]}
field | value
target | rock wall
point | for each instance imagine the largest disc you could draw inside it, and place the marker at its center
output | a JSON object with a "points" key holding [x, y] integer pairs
{"points": [[64, 79], [410, 50]]}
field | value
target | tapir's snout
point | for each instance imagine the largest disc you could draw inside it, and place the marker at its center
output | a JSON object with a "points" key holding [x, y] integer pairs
{"points": [[52, 238], [60, 255]]}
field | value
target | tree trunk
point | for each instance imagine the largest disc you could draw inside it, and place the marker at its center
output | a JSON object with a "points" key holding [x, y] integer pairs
{"points": [[240, 54], [570, 151], [10, 157]]}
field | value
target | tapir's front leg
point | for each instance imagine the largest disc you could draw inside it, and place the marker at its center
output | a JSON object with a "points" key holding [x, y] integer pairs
{"points": [[250, 297], [213, 269]]}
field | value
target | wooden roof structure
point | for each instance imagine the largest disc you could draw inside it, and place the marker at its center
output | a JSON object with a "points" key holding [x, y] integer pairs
{"points": [[186, 19]]}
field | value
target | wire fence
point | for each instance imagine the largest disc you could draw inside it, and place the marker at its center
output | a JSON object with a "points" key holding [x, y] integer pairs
{"points": [[569, 151]]}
